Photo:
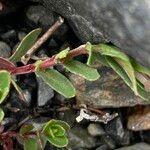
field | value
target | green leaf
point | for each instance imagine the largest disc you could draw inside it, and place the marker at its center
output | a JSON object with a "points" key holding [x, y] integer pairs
{"points": [[62, 54], [91, 55], [25, 45], [55, 131], [26, 128], [59, 141], [126, 65], [81, 69], [57, 81], [1, 115], [30, 144], [120, 71], [139, 68], [58, 122], [123, 60], [113, 52], [5, 80]]}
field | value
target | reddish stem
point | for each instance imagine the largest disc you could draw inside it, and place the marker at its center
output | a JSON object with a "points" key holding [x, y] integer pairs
{"points": [[50, 62]]}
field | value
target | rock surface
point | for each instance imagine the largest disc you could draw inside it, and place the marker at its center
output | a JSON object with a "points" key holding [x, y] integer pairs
{"points": [[45, 93], [138, 146], [5, 50], [108, 91], [139, 118], [123, 22], [79, 138]]}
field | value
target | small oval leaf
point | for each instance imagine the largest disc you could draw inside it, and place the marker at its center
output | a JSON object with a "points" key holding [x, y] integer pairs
{"points": [[1, 115], [5, 80], [81, 69], [57, 81], [25, 45], [30, 144]]}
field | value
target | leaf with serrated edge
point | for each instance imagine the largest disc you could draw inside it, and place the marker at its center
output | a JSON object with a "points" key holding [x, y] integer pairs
{"points": [[57, 81], [1, 115], [30, 144], [25, 45], [59, 122], [59, 141], [81, 69], [5, 80], [58, 138]]}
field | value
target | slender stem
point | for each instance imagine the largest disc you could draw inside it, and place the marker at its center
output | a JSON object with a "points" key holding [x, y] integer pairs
{"points": [[50, 62], [43, 39]]}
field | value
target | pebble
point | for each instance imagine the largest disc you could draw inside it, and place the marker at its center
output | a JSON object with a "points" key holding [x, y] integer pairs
{"points": [[5, 50], [95, 129]]}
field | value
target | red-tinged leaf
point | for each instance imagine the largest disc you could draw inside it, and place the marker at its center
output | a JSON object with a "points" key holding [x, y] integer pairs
{"points": [[6, 65]]}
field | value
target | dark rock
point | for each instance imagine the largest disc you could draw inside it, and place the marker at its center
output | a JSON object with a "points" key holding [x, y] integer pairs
{"points": [[68, 116], [145, 136], [7, 122], [79, 138], [138, 146], [5, 50], [139, 118], [106, 139], [45, 92], [95, 129], [11, 35], [103, 147], [117, 131], [124, 23], [108, 91], [38, 16]]}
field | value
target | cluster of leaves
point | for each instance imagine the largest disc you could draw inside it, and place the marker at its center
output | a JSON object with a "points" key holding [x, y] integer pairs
{"points": [[126, 67], [54, 131]]}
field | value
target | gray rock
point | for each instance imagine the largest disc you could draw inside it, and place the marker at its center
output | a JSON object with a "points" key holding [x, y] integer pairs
{"points": [[37, 16], [11, 35], [108, 91], [117, 131], [21, 35], [5, 50], [108, 141], [79, 138], [123, 22], [138, 146], [45, 92], [103, 147], [95, 129]]}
